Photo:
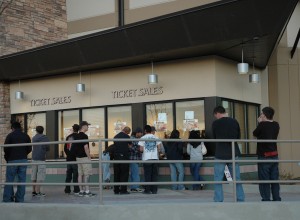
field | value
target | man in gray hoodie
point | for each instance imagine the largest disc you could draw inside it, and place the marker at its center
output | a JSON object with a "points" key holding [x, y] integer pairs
{"points": [[38, 173]]}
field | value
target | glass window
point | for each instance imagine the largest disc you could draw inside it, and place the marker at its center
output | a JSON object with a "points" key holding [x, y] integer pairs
{"points": [[189, 116], [239, 114], [228, 107], [65, 121], [252, 122], [96, 130], [118, 118], [21, 120], [161, 117], [33, 120]]}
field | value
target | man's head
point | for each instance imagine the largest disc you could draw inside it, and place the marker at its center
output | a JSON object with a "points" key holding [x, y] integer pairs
{"points": [[268, 112], [84, 126], [39, 129], [15, 125], [126, 130], [219, 112], [75, 128], [138, 132], [153, 129], [148, 129]]}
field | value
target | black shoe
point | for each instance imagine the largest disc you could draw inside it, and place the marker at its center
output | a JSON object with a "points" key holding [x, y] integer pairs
{"points": [[124, 193], [34, 194], [146, 192], [117, 193], [154, 192]]}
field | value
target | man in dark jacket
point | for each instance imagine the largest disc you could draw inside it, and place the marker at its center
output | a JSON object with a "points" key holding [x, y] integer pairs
{"points": [[38, 173], [72, 169], [16, 155]]}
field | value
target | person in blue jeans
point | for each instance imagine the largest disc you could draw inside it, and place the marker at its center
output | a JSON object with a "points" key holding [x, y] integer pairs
{"points": [[225, 127], [16, 155], [268, 129], [174, 151], [135, 154], [194, 149]]}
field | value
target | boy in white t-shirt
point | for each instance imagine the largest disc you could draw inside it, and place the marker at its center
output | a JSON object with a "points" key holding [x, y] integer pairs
{"points": [[150, 151]]}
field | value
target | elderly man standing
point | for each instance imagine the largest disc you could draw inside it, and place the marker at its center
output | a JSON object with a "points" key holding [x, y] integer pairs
{"points": [[16, 155]]}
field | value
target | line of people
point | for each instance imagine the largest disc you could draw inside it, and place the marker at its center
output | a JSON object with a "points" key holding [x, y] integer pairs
{"points": [[137, 148]]}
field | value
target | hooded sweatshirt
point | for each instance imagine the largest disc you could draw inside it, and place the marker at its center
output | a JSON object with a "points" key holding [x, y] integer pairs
{"points": [[39, 151]]}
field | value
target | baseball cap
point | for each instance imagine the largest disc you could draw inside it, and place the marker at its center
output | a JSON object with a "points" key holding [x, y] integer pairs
{"points": [[138, 130], [153, 128], [84, 123]]}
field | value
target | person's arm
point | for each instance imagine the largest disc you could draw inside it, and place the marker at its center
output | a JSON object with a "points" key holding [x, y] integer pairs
{"points": [[141, 145], [188, 149], [256, 132], [7, 149], [87, 150], [29, 148]]}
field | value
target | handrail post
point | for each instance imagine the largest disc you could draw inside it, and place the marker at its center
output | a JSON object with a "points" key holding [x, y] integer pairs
{"points": [[1, 179], [100, 173], [233, 171]]}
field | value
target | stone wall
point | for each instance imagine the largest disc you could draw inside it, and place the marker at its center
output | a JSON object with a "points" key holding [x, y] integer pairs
{"points": [[27, 24]]}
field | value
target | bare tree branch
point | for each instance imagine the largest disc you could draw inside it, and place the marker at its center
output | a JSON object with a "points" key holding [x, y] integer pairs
{"points": [[4, 4]]}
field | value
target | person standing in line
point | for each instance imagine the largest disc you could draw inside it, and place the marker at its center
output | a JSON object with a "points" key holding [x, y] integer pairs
{"points": [[267, 129], [121, 152], [38, 173], [135, 154], [150, 151], [162, 152], [225, 127], [16, 155], [82, 152], [174, 151], [194, 149], [72, 169]]}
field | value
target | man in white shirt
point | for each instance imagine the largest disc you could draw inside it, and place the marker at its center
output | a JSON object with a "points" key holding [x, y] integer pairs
{"points": [[150, 151]]}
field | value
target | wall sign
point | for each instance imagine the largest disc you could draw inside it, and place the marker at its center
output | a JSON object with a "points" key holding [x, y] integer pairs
{"points": [[51, 101], [131, 93]]}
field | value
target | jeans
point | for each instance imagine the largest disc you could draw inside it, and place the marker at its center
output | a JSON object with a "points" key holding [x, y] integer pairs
{"points": [[106, 167], [269, 171], [174, 168], [72, 173], [151, 175], [134, 175], [11, 173], [218, 176], [195, 171]]}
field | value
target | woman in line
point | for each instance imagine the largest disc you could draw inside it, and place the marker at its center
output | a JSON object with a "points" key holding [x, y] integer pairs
{"points": [[194, 149], [174, 151]]}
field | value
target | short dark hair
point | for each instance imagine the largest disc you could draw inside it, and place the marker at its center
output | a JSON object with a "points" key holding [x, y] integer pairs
{"points": [[268, 112], [219, 109], [148, 129], [174, 134], [39, 129], [16, 125]]}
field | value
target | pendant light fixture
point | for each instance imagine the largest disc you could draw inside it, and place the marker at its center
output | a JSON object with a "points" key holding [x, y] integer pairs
{"points": [[19, 95], [152, 78], [80, 87], [254, 77], [242, 67]]}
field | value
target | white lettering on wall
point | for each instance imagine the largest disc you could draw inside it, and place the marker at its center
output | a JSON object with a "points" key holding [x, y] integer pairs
{"points": [[131, 93]]}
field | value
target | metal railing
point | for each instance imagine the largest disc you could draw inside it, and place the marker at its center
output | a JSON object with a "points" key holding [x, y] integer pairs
{"points": [[100, 183]]}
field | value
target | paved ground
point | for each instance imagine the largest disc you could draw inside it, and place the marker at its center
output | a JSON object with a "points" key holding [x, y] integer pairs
{"points": [[55, 194]]}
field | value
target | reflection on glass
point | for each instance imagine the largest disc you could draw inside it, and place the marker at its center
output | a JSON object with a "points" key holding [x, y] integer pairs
{"points": [[252, 122], [118, 118], [189, 116], [33, 120], [228, 107], [96, 130], [161, 117], [21, 120], [239, 114], [66, 119]]}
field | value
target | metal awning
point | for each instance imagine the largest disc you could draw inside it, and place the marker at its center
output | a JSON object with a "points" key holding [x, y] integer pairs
{"points": [[221, 28]]}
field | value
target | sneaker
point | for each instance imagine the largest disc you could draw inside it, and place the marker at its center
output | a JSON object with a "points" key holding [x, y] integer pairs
{"points": [[89, 194], [34, 193], [76, 193], [81, 194], [41, 194], [137, 190]]}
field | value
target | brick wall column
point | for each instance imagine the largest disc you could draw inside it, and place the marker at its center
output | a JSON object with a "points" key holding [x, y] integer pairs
{"points": [[4, 117]]}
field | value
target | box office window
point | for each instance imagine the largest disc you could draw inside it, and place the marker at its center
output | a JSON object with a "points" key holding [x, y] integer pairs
{"points": [[95, 117], [246, 114], [66, 119], [189, 116], [160, 116]]}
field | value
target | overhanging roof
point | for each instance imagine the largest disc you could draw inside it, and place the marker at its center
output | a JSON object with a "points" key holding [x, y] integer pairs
{"points": [[218, 29]]}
